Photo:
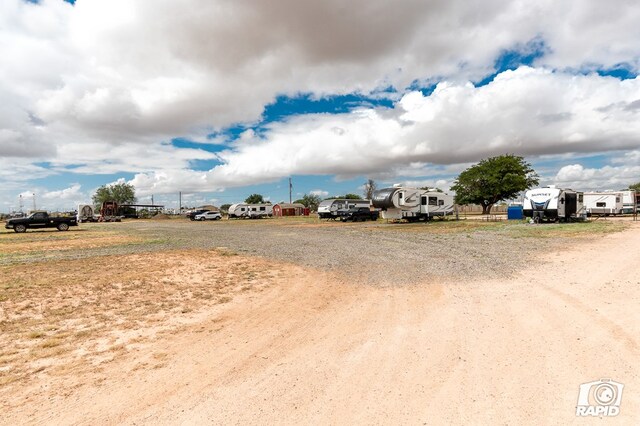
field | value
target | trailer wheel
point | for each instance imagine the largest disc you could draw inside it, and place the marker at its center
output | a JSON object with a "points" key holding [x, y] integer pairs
{"points": [[20, 228], [63, 227]]}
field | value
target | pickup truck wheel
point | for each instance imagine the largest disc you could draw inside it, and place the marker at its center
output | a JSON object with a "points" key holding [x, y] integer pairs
{"points": [[63, 227], [20, 228]]}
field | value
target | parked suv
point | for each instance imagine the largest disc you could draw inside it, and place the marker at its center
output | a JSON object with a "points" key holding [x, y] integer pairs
{"points": [[192, 215], [208, 216]]}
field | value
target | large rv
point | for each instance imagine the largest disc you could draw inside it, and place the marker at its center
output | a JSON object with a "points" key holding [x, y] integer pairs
{"points": [[329, 209], [553, 204], [412, 204], [251, 211], [603, 203]]}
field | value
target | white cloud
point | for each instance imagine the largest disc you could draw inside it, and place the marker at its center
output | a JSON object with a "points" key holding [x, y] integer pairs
{"points": [[319, 192], [531, 112], [71, 193], [624, 172], [107, 83]]}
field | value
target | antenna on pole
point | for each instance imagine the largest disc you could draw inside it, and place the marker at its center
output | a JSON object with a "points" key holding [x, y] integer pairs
{"points": [[290, 188]]}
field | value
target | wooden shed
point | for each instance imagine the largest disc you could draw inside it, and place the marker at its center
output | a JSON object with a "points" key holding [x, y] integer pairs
{"points": [[286, 209]]}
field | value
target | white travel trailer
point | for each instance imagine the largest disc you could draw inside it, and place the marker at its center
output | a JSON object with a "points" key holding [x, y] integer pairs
{"points": [[328, 209], [553, 204], [412, 204], [628, 201], [86, 213], [251, 211], [603, 203]]}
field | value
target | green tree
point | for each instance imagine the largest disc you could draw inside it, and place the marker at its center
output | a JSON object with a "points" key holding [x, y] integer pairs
{"points": [[635, 187], [121, 193], [225, 208], [254, 199], [310, 200], [369, 188], [346, 196], [494, 179]]}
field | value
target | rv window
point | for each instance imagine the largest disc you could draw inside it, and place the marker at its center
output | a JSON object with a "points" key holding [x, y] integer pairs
{"points": [[433, 201], [261, 209], [400, 194], [423, 201], [580, 198], [601, 204], [242, 209], [253, 209], [441, 202], [617, 199]]}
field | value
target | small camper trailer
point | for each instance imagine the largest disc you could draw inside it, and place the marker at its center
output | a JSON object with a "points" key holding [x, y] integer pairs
{"points": [[603, 203], [553, 204], [412, 204], [250, 211], [330, 209]]}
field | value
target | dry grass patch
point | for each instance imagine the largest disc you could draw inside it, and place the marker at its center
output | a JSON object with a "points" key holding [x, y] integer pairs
{"points": [[74, 314], [51, 241]]}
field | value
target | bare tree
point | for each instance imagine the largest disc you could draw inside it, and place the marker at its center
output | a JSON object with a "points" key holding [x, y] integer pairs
{"points": [[369, 188]]}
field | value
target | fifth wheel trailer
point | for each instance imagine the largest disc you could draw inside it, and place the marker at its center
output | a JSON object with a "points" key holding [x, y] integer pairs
{"points": [[412, 204], [553, 204]]}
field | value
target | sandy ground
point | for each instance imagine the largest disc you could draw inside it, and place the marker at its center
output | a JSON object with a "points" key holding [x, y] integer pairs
{"points": [[316, 349]]}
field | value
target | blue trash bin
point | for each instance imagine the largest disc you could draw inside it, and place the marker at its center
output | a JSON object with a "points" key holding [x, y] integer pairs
{"points": [[514, 213]]}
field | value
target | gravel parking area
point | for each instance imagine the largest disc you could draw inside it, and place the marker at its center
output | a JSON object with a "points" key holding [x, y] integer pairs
{"points": [[372, 252]]}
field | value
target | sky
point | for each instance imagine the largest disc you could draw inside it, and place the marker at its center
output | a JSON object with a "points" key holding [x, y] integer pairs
{"points": [[219, 99]]}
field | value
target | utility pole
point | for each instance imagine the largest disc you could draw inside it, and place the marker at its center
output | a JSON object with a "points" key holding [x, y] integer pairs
{"points": [[152, 199], [180, 202], [290, 189], [34, 201], [21, 203]]}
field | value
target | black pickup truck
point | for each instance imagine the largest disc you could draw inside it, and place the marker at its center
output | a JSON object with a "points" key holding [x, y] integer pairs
{"points": [[40, 220], [359, 213]]}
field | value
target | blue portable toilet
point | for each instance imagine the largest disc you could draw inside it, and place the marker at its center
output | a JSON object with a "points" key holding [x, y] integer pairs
{"points": [[514, 213]]}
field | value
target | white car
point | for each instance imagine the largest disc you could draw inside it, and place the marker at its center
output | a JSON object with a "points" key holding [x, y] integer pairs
{"points": [[208, 216]]}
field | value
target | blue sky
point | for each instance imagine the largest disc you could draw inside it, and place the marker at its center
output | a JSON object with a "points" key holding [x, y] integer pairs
{"points": [[187, 100]]}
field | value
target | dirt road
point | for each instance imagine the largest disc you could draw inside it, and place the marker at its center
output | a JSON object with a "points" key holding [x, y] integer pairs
{"points": [[319, 350]]}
